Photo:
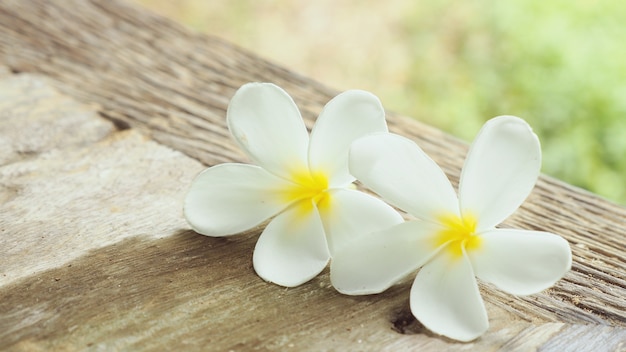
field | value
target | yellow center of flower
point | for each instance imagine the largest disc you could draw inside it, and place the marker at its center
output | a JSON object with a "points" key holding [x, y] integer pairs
{"points": [[459, 233], [309, 188]]}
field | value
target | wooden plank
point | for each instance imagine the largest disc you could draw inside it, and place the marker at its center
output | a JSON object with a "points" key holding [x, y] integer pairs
{"points": [[138, 279], [73, 183]]}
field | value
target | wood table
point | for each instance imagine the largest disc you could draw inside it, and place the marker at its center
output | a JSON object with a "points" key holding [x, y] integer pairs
{"points": [[107, 112]]}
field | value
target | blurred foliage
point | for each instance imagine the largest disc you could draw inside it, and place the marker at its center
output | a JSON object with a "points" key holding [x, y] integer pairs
{"points": [[561, 65]]}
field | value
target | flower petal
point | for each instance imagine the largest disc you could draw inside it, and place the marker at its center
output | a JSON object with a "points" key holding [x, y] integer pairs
{"points": [[347, 215], [521, 262], [400, 172], [292, 250], [267, 125], [500, 170], [378, 260], [348, 116], [445, 298], [230, 198]]}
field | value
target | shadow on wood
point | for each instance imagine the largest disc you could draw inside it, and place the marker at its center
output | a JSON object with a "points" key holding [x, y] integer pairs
{"points": [[186, 288]]}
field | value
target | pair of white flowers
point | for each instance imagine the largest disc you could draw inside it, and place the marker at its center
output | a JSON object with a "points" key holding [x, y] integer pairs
{"points": [[304, 184]]}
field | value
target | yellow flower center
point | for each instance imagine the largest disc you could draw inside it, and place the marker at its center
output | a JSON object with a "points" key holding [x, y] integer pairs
{"points": [[309, 188], [459, 233]]}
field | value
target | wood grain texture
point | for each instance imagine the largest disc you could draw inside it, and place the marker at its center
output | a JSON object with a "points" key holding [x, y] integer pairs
{"points": [[67, 176], [148, 282]]}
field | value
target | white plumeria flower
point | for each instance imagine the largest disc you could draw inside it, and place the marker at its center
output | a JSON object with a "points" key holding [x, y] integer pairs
{"points": [[303, 185], [455, 239]]}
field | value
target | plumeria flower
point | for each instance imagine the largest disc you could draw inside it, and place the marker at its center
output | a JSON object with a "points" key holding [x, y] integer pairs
{"points": [[454, 239], [302, 184]]}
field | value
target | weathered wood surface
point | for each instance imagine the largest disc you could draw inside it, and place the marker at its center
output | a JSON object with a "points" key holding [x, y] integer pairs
{"points": [[106, 114]]}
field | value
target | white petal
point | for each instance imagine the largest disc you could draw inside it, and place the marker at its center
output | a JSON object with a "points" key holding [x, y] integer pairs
{"points": [[267, 125], [346, 117], [347, 215], [445, 298], [400, 172], [378, 260], [230, 198], [521, 262], [500, 170], [292, 250]]}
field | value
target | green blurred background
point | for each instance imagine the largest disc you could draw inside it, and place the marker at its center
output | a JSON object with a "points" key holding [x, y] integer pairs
{"points": [[561, 65]]}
